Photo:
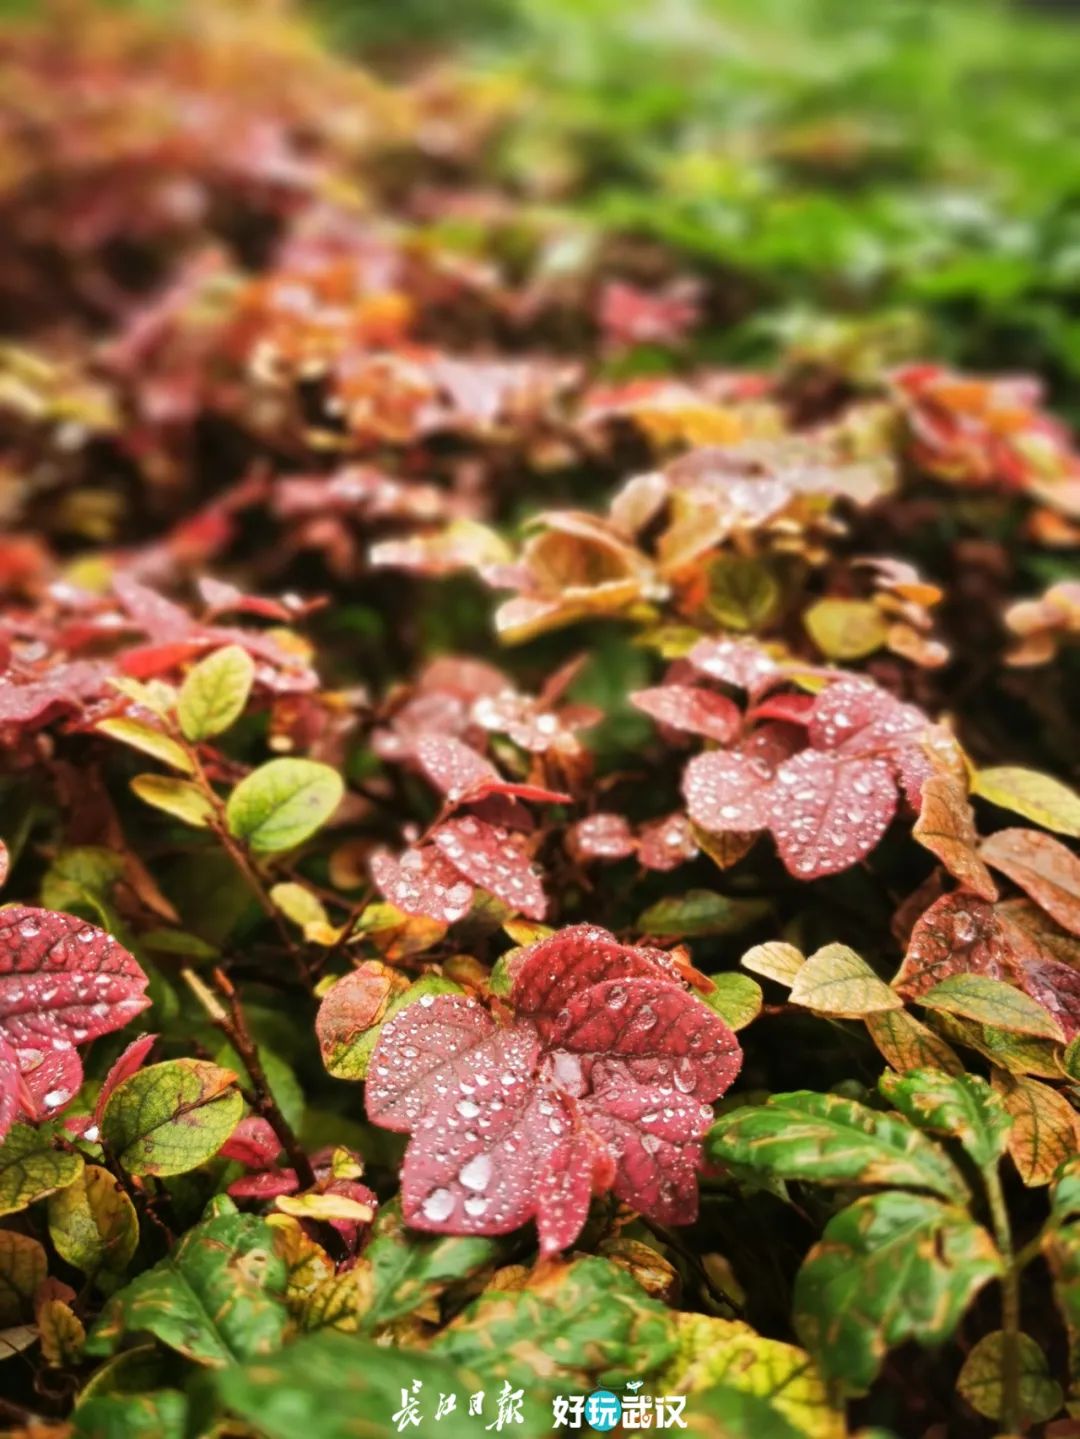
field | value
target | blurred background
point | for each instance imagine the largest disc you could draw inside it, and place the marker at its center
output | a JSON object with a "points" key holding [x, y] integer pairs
{"points": [[912, 164]]}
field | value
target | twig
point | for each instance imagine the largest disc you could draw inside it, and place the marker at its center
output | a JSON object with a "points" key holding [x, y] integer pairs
{"points": [[233, 1024]]}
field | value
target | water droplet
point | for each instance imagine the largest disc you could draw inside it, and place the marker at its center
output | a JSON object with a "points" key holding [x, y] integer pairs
{"points": [[438, 1206], [477, 1173]]}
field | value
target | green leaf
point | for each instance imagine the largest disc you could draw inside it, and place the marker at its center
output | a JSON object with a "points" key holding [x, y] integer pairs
{"points": [[158, 1415], [890, 1268], [743, 595], [80, 872], [825, 1139], [283, 803], [962, 1106], [148, 740], [1036, 796], [337, 1386], [213, 696], [582, 1321], [409, 1269], [991, 1001], [178, 797], [216, 1298], [725, 1412], [23, 1267], [700, 912], [32, 1166], [980, 1380], [837, 981], [735, 997], [170, 1118], [93, 1224]]}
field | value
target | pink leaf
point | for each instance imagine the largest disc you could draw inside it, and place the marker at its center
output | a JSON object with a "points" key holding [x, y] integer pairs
{"points": [[666, 843], [694, 710], [826, 813], [63, 981], [858, 716], [728, 790], [736, 662], [267, 1184], [465, 776], [602, 836], [438, 1044], [253, 1142], [492, 858], [423, 882], [49, 1080], [9, 1086], [549, 973]]}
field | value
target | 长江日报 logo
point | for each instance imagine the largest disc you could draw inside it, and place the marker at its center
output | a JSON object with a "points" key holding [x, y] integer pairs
{"points": [[600, 1411]]}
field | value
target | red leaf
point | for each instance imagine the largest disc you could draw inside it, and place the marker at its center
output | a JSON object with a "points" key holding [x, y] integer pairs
{"points": [[126, 1065], [423, 882], [740, 663], [826, 813], [859, 717], [696, 711], [253, 1142], [356, 1002], [492, 858], [602, 1079], [267, 1184], [548, 974], [728, 790], [958, 934], [602, 836], [1042, 867], [63, 981], [464, 776], [664, 844], [9, 1086]]}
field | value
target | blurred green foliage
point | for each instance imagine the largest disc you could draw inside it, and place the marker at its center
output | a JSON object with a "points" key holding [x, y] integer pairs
{"points": [[845, 157]]}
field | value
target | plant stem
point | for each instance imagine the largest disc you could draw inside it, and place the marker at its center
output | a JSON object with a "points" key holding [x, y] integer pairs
{"points": [[234, 1026], [1010, 1417]]}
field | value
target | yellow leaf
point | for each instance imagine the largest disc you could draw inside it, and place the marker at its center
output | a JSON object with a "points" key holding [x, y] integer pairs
{"points": [[1038, 797], [846, 629], [1045, 1131], [150, 741], [907, 1044], [178, 797], [774, 960], [837, 981]]}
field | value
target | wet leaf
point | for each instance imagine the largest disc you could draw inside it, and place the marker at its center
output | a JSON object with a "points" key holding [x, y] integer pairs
{"points": [[837, 981], [170, 1118], [824, 1139], [282, 803], [890, 1268], [692, 710], [423, 882], [827, 811], [217, 1298], [350, 1010], [495, 860], [214, 693], [576, 1321]]}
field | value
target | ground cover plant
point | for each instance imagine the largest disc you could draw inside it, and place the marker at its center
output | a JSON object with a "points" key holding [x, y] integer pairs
{"points": [[537, 746]]}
